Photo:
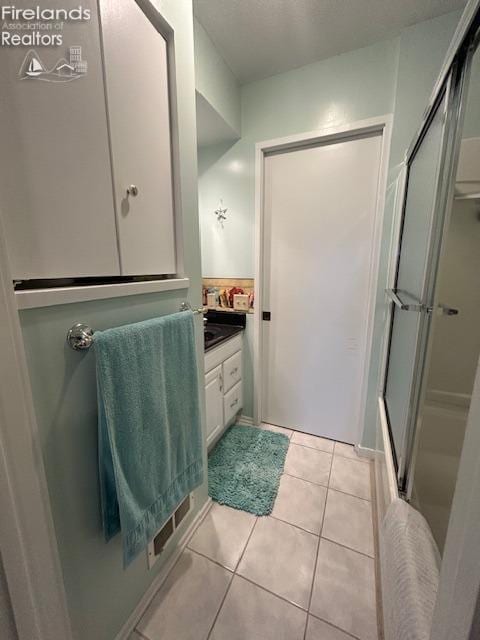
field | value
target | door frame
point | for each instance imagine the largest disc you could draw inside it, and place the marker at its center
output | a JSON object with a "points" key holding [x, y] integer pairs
{"points": [[381, 125]]}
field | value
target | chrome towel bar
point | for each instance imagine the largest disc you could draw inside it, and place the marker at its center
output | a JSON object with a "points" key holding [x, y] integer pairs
{"points": [[80, 336]]}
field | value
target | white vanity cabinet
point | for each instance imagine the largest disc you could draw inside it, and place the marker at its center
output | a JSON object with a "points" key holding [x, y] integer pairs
{"points": [[223, 386], [77, 146]]}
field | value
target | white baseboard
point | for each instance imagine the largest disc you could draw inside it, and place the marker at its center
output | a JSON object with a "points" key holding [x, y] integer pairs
{"points": [[365, 452], [129, 626], [245, 420]]}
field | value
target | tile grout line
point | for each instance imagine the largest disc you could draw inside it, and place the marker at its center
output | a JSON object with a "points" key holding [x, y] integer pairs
{"points": [[333, 455], [306, 446], [354, 460], [341, 544], [298, 478], [272, 593], [364, 461], [328, 453], [380, 637], [296, 526], [220, 607], [317, 552], [344, 546], [203, 555], [334, 626], [352, 495], [246, 545], [234, 573]]}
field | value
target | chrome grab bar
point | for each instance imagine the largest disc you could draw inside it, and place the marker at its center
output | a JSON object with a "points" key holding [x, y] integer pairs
{"points": [[393, 294], [80, 336]]}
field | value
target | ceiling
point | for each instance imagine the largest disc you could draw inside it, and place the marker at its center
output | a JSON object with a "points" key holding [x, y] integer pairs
{"points": [[260, 38]]}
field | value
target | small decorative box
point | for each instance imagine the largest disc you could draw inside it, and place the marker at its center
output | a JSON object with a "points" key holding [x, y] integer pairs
{"points": [[240, 302]]}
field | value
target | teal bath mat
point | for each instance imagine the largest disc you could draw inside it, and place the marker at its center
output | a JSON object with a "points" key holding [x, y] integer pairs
{"points": [[244, 469]]}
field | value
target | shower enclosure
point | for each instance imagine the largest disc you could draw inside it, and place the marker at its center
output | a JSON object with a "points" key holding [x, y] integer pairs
{"points": [[434, 338]]}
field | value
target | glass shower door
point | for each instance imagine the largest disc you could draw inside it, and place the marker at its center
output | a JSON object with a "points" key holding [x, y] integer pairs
{"points": [[410, 309], [454, 337]]}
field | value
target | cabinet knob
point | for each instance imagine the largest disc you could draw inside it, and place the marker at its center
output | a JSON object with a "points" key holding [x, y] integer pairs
{"points": [[132, 190]]}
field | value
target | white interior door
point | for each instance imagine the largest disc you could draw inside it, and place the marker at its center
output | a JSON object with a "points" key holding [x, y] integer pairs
{"points": [[319, 219]]}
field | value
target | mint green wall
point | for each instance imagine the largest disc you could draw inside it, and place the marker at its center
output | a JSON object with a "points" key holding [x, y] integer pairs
{"points": [[332, 92], [394, 76], [100, 594], [349, 87], [214, 79]]}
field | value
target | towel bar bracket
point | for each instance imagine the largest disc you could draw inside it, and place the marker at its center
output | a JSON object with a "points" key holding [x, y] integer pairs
{"points": [[80, 336], [186, 306]]}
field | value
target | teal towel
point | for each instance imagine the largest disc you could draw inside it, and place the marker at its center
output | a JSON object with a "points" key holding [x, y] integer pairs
{"points": [[149, 428]]}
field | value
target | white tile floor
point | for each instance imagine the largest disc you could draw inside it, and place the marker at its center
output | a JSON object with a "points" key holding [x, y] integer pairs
{"points": [[304, 573]]}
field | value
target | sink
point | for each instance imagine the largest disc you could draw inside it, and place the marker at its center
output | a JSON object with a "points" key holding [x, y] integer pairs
{"points": [[216, 333]]}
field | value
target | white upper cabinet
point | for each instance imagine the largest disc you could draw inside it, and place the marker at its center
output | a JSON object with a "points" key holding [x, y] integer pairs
{"points": [[75, 147], [56, 182], [138, 105]]}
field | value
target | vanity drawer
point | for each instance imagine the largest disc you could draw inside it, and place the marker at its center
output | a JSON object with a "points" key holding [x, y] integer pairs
{"points": [[232, 402], [232, 371]]}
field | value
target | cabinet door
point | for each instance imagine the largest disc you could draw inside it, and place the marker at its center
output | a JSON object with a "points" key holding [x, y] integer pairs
{"points": [[214, 402], [232, 371], [55, 180], [233, 402], [138, 107]]}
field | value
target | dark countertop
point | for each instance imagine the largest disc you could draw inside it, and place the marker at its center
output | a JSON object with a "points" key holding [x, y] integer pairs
{"points": [[222, 326]]}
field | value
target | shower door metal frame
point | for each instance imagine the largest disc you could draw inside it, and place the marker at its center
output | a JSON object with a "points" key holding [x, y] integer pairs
{"points": [[446, 191], [452, 90]]}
